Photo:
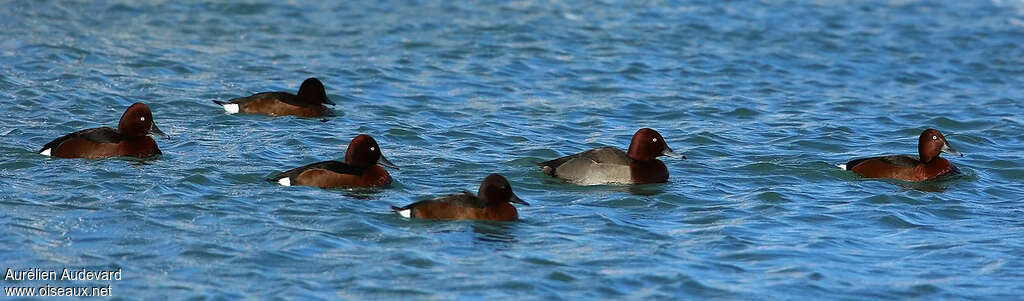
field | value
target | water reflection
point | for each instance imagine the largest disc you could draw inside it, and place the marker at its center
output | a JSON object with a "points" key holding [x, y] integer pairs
{"points": [[646, 190], [936, 185], [139, 162], [364, 194], [640, 190], [491, 232]]}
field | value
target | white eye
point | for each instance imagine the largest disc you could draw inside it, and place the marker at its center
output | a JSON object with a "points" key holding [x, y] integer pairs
{"points": [[934, 137], [373, 149], [142, 118], [654, 139]]}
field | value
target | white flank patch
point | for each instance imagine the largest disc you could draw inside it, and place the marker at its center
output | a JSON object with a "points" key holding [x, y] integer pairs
{"points": [[231, 108], [841, 166], [407, 213], [45, 152], [285, 181]]}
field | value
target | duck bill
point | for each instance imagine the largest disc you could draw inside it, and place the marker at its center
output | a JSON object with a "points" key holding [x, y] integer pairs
{"points": [[156, 131], [517, 200], [328, 101], [670, 153], [384, 162], [949, 150]]}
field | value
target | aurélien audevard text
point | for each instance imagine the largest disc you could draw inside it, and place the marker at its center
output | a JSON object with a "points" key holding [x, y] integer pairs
{"points": [[15, 277]]}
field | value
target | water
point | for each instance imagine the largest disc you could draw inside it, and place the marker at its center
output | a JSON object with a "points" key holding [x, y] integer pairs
{"points": [[762, 97]]}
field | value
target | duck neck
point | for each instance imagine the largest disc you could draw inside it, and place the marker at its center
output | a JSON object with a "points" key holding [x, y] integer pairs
{"points": [[937, 167], [650, 171], [503, 211], [143, 146], [375, 176], [926, 154]]}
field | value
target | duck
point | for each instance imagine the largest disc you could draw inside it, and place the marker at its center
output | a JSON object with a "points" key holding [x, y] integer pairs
{"points": [[493, 202], [611, 165], [130, 139], [362, 168], [928, 165], [309, 102]]}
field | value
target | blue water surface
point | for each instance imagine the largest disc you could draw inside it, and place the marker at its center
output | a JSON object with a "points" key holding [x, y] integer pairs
{"points": [[763, 97]]}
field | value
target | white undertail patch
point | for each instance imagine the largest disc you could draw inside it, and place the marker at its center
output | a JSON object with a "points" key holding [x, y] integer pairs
{"points": [[231, 108], [285, 181], [45, 152], [841, 166], [407, 213]]}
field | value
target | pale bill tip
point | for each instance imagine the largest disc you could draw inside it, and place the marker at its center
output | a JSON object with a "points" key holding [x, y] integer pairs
{"points": [[231, 108], [45, 152], [673, 154], [285, 181]]}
